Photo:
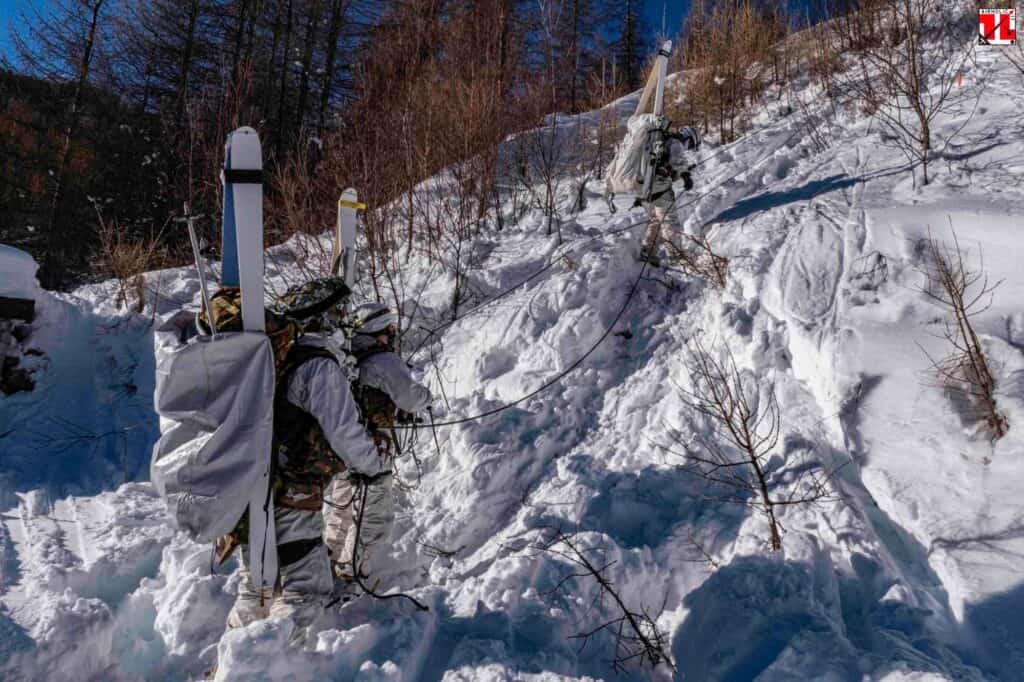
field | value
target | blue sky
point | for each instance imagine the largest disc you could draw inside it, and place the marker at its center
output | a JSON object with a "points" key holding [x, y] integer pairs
{"points": [[674, 12], [8, 10]]}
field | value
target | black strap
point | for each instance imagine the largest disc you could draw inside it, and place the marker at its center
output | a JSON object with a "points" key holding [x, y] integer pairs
{"points": [[374, 316], [660, 194], [296, 550], [243, 176]]}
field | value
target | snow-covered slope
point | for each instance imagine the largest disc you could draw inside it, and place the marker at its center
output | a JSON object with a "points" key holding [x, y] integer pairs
{"points": [[913, 571]]}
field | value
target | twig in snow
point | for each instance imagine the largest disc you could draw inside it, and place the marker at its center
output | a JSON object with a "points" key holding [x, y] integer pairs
{"points": [[636, 634]]}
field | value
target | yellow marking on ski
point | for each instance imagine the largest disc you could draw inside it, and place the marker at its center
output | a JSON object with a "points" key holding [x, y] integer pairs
{"points": [[359, 206]]}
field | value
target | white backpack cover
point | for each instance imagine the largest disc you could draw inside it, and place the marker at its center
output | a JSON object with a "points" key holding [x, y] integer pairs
{"points": [[215, 399], [628, 170]]}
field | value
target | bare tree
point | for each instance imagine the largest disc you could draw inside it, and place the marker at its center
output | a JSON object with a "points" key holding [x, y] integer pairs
{"points": [[964, 293], [730, 439], [728, 48], [637, 637], [1015, 54], [908, 76], [60, 45]]}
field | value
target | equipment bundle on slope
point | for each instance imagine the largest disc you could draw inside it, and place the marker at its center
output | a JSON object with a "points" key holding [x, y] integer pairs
{"points": [[631, 171]]}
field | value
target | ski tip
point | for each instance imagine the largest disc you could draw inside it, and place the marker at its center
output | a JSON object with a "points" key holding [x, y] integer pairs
{"points": [[350, 199], [244, 130]]}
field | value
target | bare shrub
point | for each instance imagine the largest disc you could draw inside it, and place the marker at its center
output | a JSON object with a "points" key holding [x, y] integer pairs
{"points": [[637, 637], [731, 438], [1015, 54], [698, 259], [543, 171], [964, 293], [126, 259]]}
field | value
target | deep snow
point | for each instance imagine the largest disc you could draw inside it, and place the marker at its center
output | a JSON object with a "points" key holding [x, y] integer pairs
{"points": [[913, 572]]}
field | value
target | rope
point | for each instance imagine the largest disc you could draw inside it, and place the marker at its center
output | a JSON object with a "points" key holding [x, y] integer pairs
{"points": [[561, 375], [607, 331]]}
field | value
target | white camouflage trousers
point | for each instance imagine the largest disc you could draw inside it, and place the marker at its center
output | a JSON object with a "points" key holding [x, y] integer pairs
{"points": [[305, 581], [341, 515], [664, 222]]}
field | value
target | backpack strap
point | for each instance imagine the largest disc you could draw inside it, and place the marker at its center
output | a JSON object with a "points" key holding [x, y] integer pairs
{"points": [[367, 353]]}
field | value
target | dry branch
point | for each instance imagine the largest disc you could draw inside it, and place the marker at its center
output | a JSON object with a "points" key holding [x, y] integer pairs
{"points": [[636, 634]]}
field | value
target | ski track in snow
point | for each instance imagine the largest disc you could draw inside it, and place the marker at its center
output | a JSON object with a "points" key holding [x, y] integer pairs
{"points": [[912, 573]]}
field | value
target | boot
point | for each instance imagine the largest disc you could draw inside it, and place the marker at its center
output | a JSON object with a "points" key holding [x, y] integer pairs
{"points": [[650, 255]]}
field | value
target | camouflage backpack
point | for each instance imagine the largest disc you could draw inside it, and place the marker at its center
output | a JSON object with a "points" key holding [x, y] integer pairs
{"points": [[227, 317]]}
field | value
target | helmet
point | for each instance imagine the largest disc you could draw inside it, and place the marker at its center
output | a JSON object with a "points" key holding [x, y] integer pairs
{"points": [[689, 137], [314, 301], [374, 318]]}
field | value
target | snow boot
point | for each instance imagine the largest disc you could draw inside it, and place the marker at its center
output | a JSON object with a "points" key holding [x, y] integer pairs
{"points": [[650, 255]]}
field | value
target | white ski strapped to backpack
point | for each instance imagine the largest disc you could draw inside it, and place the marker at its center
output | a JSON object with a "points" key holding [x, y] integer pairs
{"points": [[215, 395]]}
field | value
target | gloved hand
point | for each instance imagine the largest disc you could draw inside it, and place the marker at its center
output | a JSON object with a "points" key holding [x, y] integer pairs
{"points": [[687, 180], [637, 202]]}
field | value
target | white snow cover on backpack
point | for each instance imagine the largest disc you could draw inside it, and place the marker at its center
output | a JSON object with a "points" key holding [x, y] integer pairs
{"points": [[215, 399], [627, 170]]}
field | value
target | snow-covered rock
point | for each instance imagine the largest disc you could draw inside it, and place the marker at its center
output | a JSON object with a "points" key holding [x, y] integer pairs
{"points": [[17, 273]]}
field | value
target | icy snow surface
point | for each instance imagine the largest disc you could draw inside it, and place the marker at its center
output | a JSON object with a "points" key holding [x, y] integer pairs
{"points": [[913, 573]]}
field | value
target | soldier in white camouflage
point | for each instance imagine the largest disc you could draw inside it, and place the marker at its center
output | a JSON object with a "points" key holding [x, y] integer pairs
{"points": [[384, 389], [671, 163]]}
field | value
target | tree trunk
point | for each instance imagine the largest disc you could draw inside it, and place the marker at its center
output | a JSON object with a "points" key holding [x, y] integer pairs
{"points": [[65, 157], [185, 65], [279, 138], [307, 60], [236, 49], [338, 8]]}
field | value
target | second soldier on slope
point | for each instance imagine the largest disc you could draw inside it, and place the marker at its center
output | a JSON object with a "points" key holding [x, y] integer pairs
{"points": [[384, 388], [670, 164]]}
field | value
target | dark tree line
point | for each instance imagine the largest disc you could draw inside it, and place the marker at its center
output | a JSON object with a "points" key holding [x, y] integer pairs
{"points": [[120, 108]]}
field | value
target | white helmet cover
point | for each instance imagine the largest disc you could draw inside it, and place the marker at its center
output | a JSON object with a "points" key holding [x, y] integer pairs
{"points": [[374, 318]]}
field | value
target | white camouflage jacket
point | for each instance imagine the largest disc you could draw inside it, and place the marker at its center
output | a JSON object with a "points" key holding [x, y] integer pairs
{"points": [[319, 386]]}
